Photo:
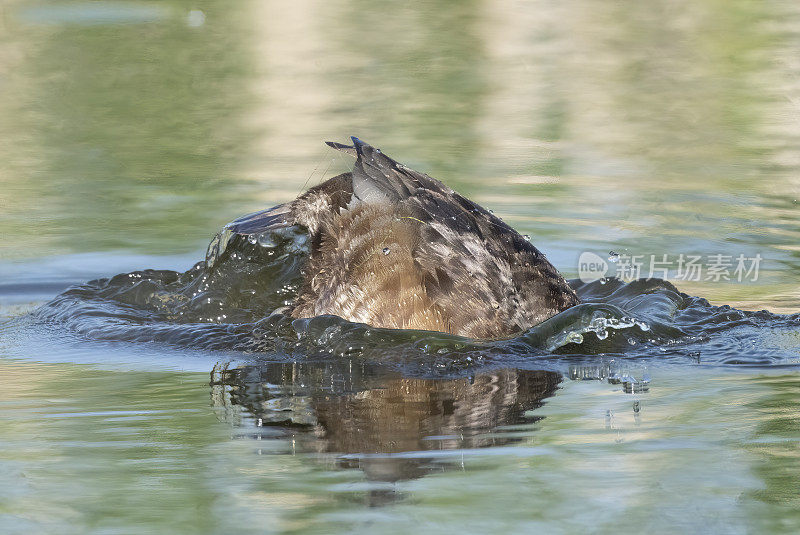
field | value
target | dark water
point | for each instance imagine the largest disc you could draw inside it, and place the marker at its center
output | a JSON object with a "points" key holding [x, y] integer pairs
{"points": [[176, 401]]}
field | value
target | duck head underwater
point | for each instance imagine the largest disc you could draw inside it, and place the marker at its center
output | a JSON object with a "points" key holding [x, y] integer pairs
{"points": [[395, 248]]}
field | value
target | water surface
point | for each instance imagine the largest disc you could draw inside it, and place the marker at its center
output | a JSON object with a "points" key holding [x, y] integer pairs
{"points": [[132, 131]]}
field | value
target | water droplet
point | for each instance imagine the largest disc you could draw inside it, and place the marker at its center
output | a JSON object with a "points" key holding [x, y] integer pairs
{"points": [[491, 211], [527, 237], [299, 243], [265, 240], [252, 238], [386, 251], [575, 338]]}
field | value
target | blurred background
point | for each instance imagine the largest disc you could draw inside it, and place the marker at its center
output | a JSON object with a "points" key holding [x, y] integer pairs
{"points": [[131, 131], [661, 127]]}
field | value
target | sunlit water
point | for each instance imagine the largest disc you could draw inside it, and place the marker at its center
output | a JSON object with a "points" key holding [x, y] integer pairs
{"points": [[171, 401]]}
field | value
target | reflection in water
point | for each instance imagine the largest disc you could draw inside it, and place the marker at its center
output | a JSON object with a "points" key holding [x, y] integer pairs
{"points": [[120, 117], [774, 442], [368, 414]]}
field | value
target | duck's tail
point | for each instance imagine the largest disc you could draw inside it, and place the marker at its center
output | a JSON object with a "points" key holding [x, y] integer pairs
{"points": [[378, 178], [347, 149]]}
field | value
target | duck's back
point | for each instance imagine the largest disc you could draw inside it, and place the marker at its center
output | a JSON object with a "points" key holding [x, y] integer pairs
{"points": [[394, 248]]}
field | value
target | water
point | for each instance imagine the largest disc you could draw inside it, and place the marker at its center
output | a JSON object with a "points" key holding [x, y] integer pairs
{"points": [[132, 133]]}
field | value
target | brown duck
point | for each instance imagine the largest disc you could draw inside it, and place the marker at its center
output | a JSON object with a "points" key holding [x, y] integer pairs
{"points": [[391, 247]]}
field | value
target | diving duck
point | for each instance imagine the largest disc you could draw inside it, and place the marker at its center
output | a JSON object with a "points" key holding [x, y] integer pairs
{"points": [[395, 248]]}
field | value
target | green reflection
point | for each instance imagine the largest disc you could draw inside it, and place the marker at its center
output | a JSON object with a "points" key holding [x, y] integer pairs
{"points": [[775, 444], [93, 451], [121, 135], [415, 80], [689, 90]]}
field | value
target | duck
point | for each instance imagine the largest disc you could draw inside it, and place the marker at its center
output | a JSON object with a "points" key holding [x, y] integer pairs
{"points": [[394, 248]]}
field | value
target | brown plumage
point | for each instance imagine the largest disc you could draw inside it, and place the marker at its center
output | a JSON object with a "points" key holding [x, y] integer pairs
{"points": [[395, 248]]}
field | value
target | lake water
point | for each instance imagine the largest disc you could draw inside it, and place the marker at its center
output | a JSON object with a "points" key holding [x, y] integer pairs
{"points": [[131, 132]]}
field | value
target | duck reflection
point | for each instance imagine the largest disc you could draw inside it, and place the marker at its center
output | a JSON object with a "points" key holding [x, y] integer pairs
{"points": [[376, 419]]}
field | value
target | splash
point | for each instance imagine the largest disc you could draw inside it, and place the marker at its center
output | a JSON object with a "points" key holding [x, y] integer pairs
{"points": [[239, 297]]}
